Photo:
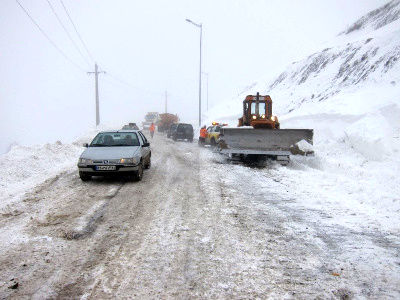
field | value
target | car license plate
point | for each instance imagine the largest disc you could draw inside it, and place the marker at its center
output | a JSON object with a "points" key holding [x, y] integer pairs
{"points": [[105, 168]]}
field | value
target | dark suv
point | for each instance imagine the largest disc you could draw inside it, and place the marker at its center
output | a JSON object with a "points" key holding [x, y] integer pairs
{"points": [[183, 131], [171, 129]]}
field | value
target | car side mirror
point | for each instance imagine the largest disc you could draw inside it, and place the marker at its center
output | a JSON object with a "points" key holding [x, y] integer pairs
{"points": [[146, 145], [85, 145]]}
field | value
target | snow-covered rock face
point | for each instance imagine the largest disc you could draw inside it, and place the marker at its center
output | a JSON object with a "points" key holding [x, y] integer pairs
{"points": [[332, 80], [377, 18], [325, 74], [349, 92], [368, 58]]}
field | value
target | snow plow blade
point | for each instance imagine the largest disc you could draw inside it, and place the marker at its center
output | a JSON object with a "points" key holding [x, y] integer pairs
{"points": [[274, 142]]}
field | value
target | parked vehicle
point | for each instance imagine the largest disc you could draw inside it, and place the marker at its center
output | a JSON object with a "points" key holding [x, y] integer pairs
{"points": [[165, 121], [259, 135], [151, 117], [171, 129], [130, 126], [123, 152], [183, 131], [213, 133]]}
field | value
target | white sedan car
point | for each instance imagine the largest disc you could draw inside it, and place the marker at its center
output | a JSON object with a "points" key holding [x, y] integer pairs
{"points": [[124, 152]]}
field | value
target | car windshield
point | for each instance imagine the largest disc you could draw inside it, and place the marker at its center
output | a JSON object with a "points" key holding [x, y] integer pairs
{"points": [[115, 139]]}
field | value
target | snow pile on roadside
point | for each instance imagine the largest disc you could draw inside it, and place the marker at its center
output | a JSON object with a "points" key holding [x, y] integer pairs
{"points": [[357, 171], [349, 94], [24, 167]]}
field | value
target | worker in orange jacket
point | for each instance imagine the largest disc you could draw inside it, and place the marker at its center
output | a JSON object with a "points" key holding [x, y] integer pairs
{"points": [[152, 129], [203, 135]]}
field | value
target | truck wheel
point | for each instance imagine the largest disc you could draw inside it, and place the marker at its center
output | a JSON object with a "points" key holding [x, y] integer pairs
{"points": [[84, 177]]}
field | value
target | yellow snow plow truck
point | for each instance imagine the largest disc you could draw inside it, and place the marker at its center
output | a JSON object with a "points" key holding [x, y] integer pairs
{"points": [[259, 137]]}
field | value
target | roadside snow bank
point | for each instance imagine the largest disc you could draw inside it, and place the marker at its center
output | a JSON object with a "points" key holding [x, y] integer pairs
{"points": [[356, 164], [372, 136], [24, 167]]}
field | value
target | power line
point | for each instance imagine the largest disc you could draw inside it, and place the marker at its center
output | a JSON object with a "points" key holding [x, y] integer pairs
{"points": [[48, 38], [69, 36], [123, 82], [127, 84], [76, 30]]}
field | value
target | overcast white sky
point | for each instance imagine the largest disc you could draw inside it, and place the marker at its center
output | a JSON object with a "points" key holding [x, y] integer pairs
{"points": [[148, 44]]}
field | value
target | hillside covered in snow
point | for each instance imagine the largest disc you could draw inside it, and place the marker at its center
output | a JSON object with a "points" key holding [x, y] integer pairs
{"points": [[349, 93], [358, 74]]}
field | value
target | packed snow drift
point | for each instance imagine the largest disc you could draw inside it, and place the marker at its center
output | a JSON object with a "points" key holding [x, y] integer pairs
{"points": [[24, 167]]}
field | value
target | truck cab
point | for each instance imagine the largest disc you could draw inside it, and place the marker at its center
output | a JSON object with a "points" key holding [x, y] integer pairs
{"points": [[257, 112]]}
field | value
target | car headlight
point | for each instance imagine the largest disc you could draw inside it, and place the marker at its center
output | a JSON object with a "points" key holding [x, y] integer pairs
{"points": [[85, 161], [128, 161], [254, 117]]}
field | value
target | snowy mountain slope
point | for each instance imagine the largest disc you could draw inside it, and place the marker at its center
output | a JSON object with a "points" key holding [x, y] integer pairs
{"points": [[358, 59], [354, 66], [349, 93], [377, 18]]}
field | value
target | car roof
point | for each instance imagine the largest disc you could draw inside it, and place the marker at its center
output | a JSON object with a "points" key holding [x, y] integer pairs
{"points": [[122, 130]]}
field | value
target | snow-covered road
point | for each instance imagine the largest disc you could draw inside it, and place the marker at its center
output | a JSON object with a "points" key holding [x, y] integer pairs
{"points": [[193, 228]]}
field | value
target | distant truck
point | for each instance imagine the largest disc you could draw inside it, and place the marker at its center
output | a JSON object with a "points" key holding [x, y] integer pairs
{"points": [[165, 121], [130, 126], [151, 117]]}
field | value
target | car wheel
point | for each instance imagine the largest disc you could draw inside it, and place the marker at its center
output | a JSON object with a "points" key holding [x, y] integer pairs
{"points": [[139, 173], [190, 140], [174, 138], [148, 165], [84, 176]]}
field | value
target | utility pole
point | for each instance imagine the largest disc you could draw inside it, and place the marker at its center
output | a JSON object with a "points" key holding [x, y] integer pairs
{"points": [[207, 92], [207, 87], [201, 35], [166, 102], [201, 39], [96, 82]]}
